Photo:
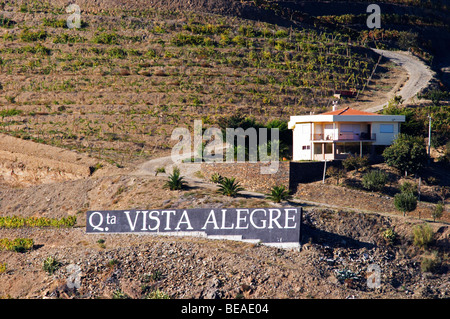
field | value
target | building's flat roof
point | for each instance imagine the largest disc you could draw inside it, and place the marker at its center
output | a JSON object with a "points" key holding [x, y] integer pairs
{"points": [[344, 115], [348, 111]]}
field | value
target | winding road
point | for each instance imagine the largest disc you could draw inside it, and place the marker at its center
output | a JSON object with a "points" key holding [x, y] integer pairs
{"points": [[419, 75]]}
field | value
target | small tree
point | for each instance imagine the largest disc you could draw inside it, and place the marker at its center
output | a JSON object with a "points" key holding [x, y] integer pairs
{"points": [[405, 202], [407, 153], [422, 235], [374, 180], [408, 187], [438, 211]]}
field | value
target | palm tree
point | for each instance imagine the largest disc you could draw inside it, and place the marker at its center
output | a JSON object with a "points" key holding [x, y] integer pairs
{"points": [[175, 181], [279, 193], [229, 187]]}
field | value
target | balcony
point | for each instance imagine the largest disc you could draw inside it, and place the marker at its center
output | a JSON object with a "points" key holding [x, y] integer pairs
{"points": [[345, 137]]}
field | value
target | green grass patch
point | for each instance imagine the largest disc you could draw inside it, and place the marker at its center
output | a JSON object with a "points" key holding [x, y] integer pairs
{"points": [[17, 244], [19, 222]]}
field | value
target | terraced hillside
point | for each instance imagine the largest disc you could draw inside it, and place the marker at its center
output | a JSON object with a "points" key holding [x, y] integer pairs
{"points": [[118, 86]]}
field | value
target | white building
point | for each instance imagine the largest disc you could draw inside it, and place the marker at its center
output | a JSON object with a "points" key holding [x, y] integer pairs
{"points": [[339, 133]]}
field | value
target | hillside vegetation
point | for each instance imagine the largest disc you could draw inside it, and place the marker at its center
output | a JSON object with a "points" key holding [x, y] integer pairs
{"points": [[119, 85], [116, 88]]}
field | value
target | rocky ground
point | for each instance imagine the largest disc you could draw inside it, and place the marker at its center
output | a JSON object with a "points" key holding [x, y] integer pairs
{"points": [[337, 249]]}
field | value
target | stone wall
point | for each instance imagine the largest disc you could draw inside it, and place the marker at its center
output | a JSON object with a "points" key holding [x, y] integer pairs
{"points": [[249, 175], [307, 172]]}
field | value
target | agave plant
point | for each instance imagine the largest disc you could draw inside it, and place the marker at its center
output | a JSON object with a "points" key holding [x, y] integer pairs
{"points": [[229, 187], [279, 193], [175, 180], [50, 265], [216, 178], [345, 274]]}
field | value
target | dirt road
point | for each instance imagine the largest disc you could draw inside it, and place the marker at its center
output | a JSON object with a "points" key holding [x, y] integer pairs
{"points": [[419, 75]]}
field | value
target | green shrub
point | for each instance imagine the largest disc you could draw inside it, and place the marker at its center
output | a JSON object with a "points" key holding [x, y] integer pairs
{"points": [[345, 274], [389, 235], [279, 193], [29, 36], [37, 49], [158, 294], [101, 243], [6, 22], [117, 53], [3, 267], [216, 178], [182, 39], [355, 162], [405, 202], [17, 222], [18, 244], [10, 112], [431, 263], [423, 235], [106, 38], [408, 187], [68, 38], [438, 211], [175, 180], [374, 180], [160, 170], [119, 294], [229, 187], [54, 23], [407, 153], [239, 40], [50, 265], [335, 173]]}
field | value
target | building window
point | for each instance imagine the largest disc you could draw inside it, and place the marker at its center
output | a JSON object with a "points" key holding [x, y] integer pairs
{"points": [[317, 148], [346, 128], [306, 147], [386, 128]]}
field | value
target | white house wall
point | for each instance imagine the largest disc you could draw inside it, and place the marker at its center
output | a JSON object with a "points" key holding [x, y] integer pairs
{"points": [[301, 139], [385, 138], [305, 126]]}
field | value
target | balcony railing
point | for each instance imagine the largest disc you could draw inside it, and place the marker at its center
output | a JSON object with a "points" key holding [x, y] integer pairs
{"points": [[345, 136]]}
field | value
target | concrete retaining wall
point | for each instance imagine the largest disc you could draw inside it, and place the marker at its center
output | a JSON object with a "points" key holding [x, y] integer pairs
{"points": [[249, 175]]}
